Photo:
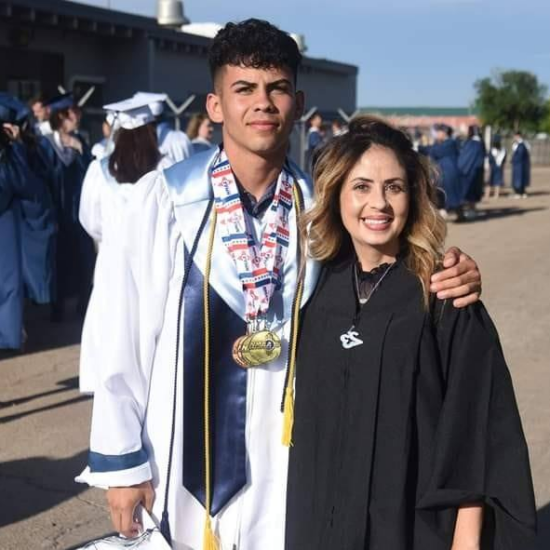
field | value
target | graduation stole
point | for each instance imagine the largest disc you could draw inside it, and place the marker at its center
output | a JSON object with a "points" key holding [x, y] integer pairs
{"points": [[258, 266]]}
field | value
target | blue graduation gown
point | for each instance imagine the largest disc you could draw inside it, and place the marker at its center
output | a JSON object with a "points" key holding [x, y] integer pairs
{"points": [[37, 230], [470, 165], [445, 155], [18, 187], [75, 254], [521, 168]]}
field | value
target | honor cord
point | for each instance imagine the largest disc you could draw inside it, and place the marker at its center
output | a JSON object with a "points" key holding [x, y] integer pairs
{"points": [[210, 540]]}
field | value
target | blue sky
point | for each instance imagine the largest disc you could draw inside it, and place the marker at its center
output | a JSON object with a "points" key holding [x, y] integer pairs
{"points": [[409, 52]]}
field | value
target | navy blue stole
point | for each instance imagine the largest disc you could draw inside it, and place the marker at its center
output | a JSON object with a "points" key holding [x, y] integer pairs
{"points": [[228, 383]]}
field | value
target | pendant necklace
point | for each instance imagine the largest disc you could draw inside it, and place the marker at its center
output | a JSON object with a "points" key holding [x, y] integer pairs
{"points": [[351, 339]]}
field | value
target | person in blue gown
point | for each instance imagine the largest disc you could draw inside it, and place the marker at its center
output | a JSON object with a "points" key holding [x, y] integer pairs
{"points": [[521, 166], [37, 222], [470, 164], [444, 152], [68, 157], [23, 204]]}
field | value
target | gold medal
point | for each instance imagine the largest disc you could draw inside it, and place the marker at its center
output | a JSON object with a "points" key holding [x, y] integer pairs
{"points": [[257, 348]]}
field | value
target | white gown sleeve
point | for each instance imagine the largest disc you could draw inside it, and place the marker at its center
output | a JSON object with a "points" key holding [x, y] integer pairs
{"points": [[130, 293], [177, 146], [90, 201]]}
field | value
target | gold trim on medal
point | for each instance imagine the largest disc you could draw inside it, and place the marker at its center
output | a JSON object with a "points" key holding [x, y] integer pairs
{"points": [[257, 348]]}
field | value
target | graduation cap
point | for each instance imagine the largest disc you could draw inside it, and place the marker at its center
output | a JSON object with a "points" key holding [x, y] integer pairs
{"points": [[131, 113], [60, 102], [12, 110], [155, 101]]}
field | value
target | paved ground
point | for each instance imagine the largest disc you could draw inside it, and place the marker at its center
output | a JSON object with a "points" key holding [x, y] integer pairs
{"points": [[44, 421]]}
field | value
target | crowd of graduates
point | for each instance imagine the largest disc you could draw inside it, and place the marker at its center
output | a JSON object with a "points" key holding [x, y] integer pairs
{"points": [[47, 256], [461, 169]]}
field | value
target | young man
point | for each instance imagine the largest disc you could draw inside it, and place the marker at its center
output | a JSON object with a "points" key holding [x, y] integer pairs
{"points": [[229, 467], [41, 113]]}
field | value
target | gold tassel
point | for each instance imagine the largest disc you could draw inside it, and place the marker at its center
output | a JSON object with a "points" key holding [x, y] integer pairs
{"points": [[288, 417], [211, 542]]}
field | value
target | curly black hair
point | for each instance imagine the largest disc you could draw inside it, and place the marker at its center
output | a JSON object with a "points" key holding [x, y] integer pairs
{"points": [[253, 43]]}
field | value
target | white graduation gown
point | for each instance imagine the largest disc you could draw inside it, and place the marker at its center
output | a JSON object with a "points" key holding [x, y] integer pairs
{"points": [[101, 213], [137, 296], [174, 143]]}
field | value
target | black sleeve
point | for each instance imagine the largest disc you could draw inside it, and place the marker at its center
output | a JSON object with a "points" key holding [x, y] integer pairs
{"points": [[479, 452]]}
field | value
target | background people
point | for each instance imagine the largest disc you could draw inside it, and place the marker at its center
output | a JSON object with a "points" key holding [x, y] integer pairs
{"points": [[444, 152], [41, 113], [172, 143], [109, 185], [26, 226], [314, 137], [471, 161], [521, 166], [199, 131], [69, 157], [104, 147], [497, 159]]}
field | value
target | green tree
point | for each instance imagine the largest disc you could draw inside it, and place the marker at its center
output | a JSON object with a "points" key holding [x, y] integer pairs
{"points": [[512, 100], [545, 126]]}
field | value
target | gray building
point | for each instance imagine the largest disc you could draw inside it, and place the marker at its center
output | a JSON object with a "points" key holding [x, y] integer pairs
{"points": [[47, 43]]}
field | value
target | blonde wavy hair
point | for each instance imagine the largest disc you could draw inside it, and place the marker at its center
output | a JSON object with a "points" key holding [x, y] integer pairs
{"points": [[423, 236]]}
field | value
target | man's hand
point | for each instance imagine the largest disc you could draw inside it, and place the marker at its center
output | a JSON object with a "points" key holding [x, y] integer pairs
{"points": [[460, 279], [123, 502]]}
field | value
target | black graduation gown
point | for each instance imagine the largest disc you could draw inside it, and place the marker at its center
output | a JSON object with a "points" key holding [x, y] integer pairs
{"points": [[391, 436]]}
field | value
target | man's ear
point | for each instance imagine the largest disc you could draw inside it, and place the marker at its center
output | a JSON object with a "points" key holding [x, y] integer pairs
{"points": [[300, 104], [214, 108]]}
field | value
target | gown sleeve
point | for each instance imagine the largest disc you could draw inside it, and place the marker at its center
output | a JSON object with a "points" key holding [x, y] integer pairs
{"points": [[90, 201], [480, 453], [177, 146], [121, 331]]}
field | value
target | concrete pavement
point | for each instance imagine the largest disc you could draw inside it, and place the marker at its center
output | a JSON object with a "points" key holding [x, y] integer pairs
{"points": [[44, 421]]}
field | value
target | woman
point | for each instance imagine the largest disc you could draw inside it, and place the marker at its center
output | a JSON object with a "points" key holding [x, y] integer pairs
{"points": [[108, 186], [199, 131], [407, 435], [68, 157]]}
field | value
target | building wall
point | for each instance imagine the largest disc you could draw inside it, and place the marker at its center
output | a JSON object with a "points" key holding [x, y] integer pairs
{"points": [[329, 90], [118, 59]]}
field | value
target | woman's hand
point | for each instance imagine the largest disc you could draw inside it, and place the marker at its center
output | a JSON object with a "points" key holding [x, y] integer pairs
{"points": [[469, 523], [123, 502], [460, 279]]}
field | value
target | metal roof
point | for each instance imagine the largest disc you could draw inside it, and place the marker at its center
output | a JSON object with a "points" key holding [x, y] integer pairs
{"points": [[91, 19]]}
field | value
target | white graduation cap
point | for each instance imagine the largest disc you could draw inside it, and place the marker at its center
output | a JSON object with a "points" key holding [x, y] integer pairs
{"points": [[155, 101], [131, 113]]}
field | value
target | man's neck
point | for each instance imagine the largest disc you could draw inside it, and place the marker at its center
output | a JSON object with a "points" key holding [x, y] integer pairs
{"points": [[255, 173]]}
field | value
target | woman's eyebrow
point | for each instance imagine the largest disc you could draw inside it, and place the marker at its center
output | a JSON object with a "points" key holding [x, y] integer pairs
{"points": [[389, 180]]}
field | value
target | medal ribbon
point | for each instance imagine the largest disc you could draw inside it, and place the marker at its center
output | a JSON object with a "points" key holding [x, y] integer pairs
{"points": [[258, 266]]}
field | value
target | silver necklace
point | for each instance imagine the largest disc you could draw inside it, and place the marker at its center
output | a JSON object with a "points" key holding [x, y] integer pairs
{"points": [[351, 339]]}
